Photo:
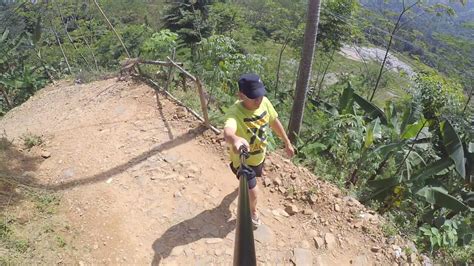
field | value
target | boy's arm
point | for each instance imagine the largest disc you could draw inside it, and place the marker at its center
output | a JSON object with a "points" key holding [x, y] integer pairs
{"points": [[280, 131], [234, 140]]}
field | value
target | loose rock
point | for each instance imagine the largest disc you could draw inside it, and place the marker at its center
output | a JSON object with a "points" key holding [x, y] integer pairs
{"points": [[45, 154], [330, 241], [375, 249], [303, 256], [267, 182], [291, 209], [318, 242], [277, 181]]}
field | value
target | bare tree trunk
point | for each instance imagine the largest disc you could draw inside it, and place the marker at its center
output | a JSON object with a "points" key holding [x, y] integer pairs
{"points": [[62, 50], [113, 29], [7, 99], [304, 70], [38, 54], [70, 39], [331, 59], [392, 34], [283, 47], [92, 53]]}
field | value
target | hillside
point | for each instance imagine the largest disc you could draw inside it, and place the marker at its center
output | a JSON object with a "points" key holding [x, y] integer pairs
{"points": [[137, 180]]}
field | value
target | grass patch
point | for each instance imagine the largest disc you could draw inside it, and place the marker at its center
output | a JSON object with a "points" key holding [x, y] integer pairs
{"points": [[10, 239], [31, 230], [30, 140], [46, 203], [60, 241]]}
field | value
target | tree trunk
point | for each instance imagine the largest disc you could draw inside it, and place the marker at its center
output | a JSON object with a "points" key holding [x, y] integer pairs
{"points": [[279, 65], [331, 59], [304, 70], [392, 34]]}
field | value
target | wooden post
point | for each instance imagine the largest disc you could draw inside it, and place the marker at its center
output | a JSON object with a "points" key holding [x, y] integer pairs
{"points": [[203, 102], [170, 71]]}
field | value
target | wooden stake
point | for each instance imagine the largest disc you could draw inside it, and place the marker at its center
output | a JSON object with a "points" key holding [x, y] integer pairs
{"points": [[203, 102], [170, 72]]}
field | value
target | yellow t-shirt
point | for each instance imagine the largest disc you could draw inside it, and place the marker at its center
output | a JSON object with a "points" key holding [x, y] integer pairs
{"points": [[252, 125]]}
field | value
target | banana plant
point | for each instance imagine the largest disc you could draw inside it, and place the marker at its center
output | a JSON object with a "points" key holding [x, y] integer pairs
{"points": [[424, 185], [402, 131]]}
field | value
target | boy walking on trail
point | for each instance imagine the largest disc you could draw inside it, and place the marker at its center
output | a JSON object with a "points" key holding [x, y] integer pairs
{"points": [[247, 123]]}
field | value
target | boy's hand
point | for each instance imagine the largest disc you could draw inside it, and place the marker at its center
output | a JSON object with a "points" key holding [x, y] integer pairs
{"points": [[290, 151], [239, 142]]}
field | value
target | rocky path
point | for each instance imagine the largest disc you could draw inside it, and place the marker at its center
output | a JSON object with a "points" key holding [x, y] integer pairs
{"points": [[143, 183]]}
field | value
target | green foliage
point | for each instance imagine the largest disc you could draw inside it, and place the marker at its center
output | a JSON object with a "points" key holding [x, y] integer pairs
{"points": [[19, 80], [160, 45], [402, 157], [442, 236], [110, 51], [46, 203], [221, 63], [30, 140], [188, 19], [437, 95], [225, 18], [333, 30], [60, 241], [9, 239]]}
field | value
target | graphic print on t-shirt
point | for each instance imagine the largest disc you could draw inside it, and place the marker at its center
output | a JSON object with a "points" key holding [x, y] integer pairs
{"points": [[257, 126]]}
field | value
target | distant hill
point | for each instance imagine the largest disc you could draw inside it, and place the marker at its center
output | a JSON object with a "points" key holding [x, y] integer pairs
{"points": [[439, 40]]}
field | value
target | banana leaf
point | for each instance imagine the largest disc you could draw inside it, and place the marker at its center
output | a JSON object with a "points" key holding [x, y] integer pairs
{"points": [[454, 147], [433, 169], [371, 109], [412, 130], [380, 188], [468, 198], [407, 117], [373, 132], [439, 196], [4, 35], [386, 149], [346, 100], [325, 106]]}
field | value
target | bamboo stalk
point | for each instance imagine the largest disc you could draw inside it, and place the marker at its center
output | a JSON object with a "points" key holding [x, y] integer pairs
{"points": [[113, 29]]}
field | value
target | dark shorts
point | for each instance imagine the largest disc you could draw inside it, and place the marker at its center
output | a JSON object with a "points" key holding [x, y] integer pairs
{"points": [[258, 172]]}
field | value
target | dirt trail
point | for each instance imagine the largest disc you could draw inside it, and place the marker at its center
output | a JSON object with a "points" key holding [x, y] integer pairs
{"points": [[143, 183]]}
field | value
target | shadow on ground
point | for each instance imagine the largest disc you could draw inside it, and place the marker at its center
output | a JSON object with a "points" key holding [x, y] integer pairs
{"points": [[207, 224], [16, 169]]}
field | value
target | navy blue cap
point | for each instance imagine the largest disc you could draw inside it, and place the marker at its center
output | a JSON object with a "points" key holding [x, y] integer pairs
{"points": [[251, 85]]}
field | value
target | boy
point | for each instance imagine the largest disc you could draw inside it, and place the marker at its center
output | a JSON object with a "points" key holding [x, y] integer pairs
{"points": [[247, 123]]}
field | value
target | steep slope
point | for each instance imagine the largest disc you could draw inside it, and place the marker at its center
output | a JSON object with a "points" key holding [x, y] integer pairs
{"points": [[142, 182]]}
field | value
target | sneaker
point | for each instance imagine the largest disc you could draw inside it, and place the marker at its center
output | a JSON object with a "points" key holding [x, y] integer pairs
{"points": [[256, 220]]}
